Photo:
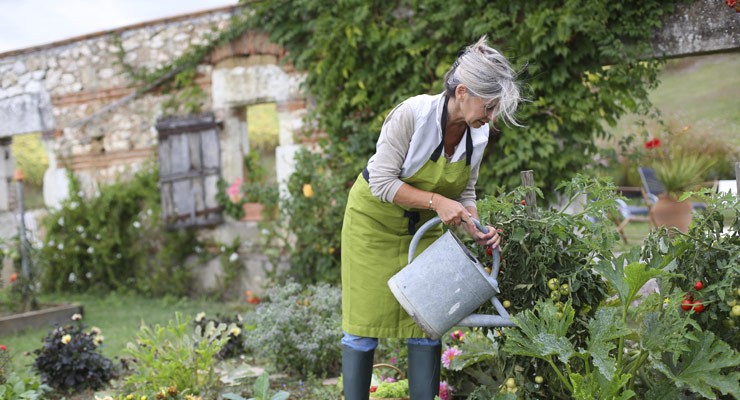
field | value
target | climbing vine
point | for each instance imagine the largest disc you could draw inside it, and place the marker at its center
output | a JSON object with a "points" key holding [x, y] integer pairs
{"points": [[583, 63], [178, 79]]}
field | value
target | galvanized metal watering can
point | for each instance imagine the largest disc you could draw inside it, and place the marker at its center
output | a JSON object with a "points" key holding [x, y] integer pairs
{"points": [[446, 283]]}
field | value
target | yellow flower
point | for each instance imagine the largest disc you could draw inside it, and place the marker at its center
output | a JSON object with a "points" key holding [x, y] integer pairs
{"points": [[235, 331], [66, 339], [98, 339], [199, 317], [307, 190]]}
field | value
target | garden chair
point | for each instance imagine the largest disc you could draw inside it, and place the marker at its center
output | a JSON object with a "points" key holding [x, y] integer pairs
{"points": [[628, 214]]}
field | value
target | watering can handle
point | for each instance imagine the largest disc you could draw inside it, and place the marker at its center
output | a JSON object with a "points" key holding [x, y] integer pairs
{"points": [[434, 222]]}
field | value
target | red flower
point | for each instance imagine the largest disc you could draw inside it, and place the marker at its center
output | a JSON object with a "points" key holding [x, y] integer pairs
{"points": [[730, 3], [3, 347], [13, 277], [373, 389], [653, 143]]}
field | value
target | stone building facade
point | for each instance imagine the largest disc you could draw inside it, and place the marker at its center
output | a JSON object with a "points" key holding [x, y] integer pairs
{"points": [[77, 93], [95, 123]]}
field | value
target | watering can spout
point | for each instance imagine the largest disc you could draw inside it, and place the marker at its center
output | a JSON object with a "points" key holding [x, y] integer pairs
{"points": [[474, 320]]}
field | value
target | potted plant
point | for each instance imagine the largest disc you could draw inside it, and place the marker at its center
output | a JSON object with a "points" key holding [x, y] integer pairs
{"points": [[680, 173], [249, 199]]}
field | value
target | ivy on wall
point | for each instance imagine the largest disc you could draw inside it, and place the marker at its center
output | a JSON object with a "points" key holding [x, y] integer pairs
{"points": [[582, 64]]}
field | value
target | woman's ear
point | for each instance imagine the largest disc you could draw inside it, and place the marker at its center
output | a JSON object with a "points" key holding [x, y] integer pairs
{"points": [[460, 90]]}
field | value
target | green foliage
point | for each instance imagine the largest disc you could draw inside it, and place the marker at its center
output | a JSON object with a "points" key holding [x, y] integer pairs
{"points": [[392, 390], [709, 253], [30, 157], [261, 390], [17, 387], [70, 360], [177, 356], [552, 245], [309, 227], [23, 290], [114, 241], [364, 56], [296, 329]]}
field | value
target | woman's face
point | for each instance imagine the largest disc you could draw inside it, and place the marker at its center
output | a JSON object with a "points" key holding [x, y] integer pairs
{"points": [[476, 111]]}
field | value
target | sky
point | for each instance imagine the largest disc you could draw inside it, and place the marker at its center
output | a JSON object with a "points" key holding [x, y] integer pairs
{"points": [[27, 23]]}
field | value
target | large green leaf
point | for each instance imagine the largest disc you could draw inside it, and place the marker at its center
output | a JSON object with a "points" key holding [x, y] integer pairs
{"points": [[542, 335], [701, 369], [596, 386], [605, 328], [627, 279]]}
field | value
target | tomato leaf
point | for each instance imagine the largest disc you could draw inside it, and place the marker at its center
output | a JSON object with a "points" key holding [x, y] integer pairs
{"points": [[700, 370]]}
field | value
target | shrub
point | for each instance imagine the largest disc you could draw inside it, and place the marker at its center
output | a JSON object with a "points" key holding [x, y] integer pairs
{"points": [[115, 241], [297, 330], [708, 260], [70, 361], [234, 345], [177, 357], [22, 387], [309, 228]]}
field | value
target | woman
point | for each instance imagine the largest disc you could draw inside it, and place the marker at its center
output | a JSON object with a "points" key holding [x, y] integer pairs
{"points": [[426, 163]]}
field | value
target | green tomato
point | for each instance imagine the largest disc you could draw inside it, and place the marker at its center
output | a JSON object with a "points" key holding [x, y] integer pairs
{"points": [[560, 306], [564, 289], [553, 283], [732, 303], [735, 310], [555, 295], [511, 383], [506, 304], [538, 379]]}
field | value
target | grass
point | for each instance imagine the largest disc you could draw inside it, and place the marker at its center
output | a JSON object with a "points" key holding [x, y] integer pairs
{"points": [[119, 318]]}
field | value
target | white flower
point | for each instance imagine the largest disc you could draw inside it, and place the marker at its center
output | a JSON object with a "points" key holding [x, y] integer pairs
{"points": [[76, 317], [80, 229], [149, 211], [90, 250], [118, 256], [81, 193], [88, 275], [137, 224], [73, 205], [60, 246], [223, 249], [51, 243], [97, 236], [198, 249], [233, 257], [60, 221], [199, 317], [72, 277], [98, 339], [95, 330], [66, 339]]}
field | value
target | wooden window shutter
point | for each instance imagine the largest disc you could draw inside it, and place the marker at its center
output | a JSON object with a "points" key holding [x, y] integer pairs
{"points": [[189, 168]]}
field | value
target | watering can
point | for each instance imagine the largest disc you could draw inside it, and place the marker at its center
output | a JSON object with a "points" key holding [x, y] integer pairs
{"points": [[446, 283]]}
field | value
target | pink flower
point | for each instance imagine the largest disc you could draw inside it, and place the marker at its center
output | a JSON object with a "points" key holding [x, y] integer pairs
{"points": [[457, 335], [234, 190], [445, 390], [3, 347], [393, 360], [450, 355]]}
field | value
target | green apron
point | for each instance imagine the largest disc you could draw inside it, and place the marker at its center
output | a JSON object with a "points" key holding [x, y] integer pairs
{"points": [[375, 245]]}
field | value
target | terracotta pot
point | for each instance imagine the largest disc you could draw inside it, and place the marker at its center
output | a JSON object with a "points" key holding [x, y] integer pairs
{"points": [[669, 212], [252, 211]]}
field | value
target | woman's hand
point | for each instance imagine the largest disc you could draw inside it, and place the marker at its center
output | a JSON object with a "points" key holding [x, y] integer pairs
{"points": [[492, 238]]}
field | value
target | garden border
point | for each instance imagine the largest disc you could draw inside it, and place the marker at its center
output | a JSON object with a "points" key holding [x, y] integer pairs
{"points": [[53, 314]]}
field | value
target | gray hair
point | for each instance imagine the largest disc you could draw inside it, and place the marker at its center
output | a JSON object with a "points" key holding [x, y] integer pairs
{"points": [[487, 74]]}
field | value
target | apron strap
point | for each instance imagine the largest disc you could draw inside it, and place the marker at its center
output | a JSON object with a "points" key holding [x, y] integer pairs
{"points": [[414, 218], [468, 147], [468, 140]]}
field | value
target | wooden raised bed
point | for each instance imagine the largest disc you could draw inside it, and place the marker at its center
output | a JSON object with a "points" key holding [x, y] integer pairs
{"points": [[48, 316]]}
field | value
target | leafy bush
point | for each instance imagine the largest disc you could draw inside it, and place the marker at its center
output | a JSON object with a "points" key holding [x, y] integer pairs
{"points": [[234, 345], [708, 260], [16, 387], [177, 356], [297, 329], [309, 228], [70, 361], [115, 241]]}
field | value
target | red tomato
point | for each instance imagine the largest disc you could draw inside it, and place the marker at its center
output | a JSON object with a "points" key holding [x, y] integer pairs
{"points": [[686, 304], [489, 250], [698, 285], [524, 202], [698, 306]]}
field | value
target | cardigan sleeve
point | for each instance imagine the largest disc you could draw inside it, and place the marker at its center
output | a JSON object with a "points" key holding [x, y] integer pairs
{"points": [[393, 145]]}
